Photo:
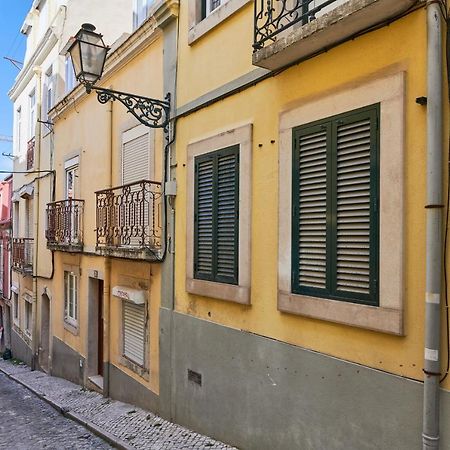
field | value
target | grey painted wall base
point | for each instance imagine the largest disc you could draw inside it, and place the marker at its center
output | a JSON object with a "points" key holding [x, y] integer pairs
{"points": [[126, 389], [257, 393], [66, 362], [20, 348]]}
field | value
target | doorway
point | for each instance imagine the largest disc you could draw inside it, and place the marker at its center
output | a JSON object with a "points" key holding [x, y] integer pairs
{"points": [[44, 347], [95, 332]]}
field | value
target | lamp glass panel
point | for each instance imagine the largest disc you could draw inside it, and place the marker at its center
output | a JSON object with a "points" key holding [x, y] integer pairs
{"points": [[76, 59], [93, 61]]}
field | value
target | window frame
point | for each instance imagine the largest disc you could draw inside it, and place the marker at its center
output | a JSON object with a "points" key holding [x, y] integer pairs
{"points": [[28, 316], [32, 114], [388, 89], [371, 112], [201, 22], [241, 292], [68, 318], [69, 81], [214, 157], [16, 308]]}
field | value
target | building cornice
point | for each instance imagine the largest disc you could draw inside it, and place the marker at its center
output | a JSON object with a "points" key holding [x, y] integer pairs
{"points": [[163, 13], [26, 74]]}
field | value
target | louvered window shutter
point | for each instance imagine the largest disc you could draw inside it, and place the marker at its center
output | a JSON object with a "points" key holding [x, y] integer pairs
{"points": [[136, 159], [134, 332], [335, 208], [216, 235]]}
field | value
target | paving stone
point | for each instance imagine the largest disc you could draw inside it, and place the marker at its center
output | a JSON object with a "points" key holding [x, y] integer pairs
{"points": [[131, 426]]}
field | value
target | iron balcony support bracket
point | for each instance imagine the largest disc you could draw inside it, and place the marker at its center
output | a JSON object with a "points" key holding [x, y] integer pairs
{"points": [[150, 112]]}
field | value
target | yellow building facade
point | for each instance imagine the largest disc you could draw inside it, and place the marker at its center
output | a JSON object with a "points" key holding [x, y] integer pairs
{"points": [[285, 363], [105, 226]]}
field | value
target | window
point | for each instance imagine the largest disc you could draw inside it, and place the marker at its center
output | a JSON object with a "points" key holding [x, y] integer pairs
{"points": [[49, 92], [69, 75], [218, 227], [28, 315], [208, 6], [16, 223], [140, 12], [72, 184], [204, 15], [32, 106], [71, 298], [18, 129], [16, 309], [335, 213], [381, 310], [216, 215], [134, 332], [29, 217]]}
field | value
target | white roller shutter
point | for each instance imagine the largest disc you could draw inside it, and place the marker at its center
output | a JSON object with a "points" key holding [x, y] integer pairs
{"points": [[134, 332], [137, 155]]}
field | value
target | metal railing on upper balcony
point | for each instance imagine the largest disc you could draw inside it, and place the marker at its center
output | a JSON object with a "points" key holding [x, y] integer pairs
{"points": [[129, 217], [22, 254], [30, 153], [272, 17], [65, 224]]}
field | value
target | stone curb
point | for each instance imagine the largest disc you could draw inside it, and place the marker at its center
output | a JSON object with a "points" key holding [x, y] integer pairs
{"points": [[108, 437]]}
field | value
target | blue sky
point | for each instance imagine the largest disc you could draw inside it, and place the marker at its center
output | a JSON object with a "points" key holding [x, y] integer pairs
{"points": [[12, 44]]}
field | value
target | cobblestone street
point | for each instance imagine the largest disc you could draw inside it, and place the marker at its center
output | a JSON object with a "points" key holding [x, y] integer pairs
{"points": [[28, 422]]}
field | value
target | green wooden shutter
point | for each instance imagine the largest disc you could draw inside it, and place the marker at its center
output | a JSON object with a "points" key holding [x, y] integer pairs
{"points": [[356, 192], [204, 179], [216, 211], [335, 221], [227, 215], [310, 209]]}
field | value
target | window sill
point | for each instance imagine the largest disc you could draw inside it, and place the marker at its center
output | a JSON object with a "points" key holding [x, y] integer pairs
{"points": [[222, 13], [134, 367], [386, 320], [220, 291], [71, 328]]}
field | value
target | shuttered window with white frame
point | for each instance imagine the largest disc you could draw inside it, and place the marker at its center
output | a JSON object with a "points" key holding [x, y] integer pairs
{"points": [[134, 332], [335, 225]]}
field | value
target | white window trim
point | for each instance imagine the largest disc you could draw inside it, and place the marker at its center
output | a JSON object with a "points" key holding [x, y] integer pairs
{"points": [[27, 298], [68, 320], [239, 293], [16, 320], [199, 27], [389, 91], [32, 114]]}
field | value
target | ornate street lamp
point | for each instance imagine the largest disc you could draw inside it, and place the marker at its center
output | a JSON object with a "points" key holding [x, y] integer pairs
{"points": [[88, 53]]}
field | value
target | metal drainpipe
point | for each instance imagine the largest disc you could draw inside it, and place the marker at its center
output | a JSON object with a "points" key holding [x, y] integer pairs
{"points": [[37, 163], [434, 211], [107, 280]]}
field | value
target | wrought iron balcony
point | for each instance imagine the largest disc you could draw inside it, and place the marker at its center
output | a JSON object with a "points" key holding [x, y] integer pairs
{"points": [[129, 221], [22, 254], [30, 153], [65, 225], [286, 31]]}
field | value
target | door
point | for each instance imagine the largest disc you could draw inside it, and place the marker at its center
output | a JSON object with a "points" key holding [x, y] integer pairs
{"points": [[100, 328], [44, 351]]}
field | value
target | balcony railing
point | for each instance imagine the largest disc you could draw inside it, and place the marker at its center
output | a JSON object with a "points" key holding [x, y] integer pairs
{"points": [[65, 225], [30, 153], [129, 220], [22, 254], [272, 17], [288, 31]]}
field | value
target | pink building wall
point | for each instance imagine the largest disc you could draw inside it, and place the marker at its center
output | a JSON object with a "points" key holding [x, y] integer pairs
{"points": [[5, 235]]}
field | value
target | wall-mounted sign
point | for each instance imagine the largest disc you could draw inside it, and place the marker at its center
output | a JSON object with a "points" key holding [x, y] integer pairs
{"points": [[137, 296]]}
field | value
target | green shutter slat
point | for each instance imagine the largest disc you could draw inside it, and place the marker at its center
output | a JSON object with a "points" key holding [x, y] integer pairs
{"points": [[227, 217], [353, 207], [311, 199]]}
